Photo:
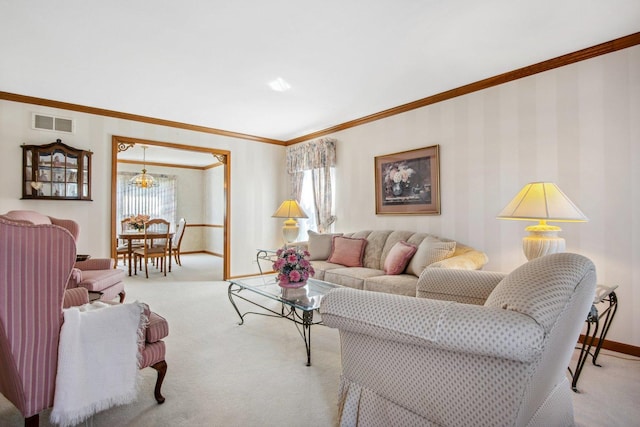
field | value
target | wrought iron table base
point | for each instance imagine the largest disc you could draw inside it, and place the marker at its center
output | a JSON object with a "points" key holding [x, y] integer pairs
{"points": [[303, 322], [589, 338]]}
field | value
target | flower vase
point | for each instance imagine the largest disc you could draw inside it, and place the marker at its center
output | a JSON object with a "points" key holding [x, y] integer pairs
{"points": [[397, 189], [297, 295], [292, 285]]}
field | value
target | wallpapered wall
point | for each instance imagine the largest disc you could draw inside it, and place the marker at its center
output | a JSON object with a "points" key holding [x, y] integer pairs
{"points": [[214, 210], [578, 126]]}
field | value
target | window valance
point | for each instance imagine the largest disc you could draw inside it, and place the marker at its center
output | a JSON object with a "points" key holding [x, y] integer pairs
{"points": [[311, 155]]}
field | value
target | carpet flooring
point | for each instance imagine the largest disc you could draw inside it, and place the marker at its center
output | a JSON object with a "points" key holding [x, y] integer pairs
{"points": [[224, 374]]}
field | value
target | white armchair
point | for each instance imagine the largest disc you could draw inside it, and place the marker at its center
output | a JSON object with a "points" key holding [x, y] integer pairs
{"points": [[418, 361]]}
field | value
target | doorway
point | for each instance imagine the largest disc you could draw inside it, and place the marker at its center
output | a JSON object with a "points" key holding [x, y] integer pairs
{"points": [[124, 147]]}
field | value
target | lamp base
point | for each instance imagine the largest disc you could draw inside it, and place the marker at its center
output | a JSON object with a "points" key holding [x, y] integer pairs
{"points": [[542, 240], [290, 231]]}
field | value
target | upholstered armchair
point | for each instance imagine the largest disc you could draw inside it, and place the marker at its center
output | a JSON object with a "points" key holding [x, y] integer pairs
{"points": [[97, 275], [420, 361], [36, 262]]}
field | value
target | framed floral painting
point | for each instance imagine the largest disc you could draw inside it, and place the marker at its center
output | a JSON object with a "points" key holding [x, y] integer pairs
{"points": [[408, 183]]}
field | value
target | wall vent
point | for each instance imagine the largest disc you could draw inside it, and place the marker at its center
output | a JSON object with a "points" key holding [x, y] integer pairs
{"points": [[56, 124]]}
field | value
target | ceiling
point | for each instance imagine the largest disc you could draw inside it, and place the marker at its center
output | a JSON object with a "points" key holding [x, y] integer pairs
{"points": [[209, 62]]}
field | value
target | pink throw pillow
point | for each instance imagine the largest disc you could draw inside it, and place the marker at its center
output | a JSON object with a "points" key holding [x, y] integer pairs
{"points": [[399, 257], [347, 251]]}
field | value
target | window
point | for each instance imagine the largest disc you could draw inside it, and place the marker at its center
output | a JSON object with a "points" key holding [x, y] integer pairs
{"points": [[311, 168], [308, 204], [159, 201]]}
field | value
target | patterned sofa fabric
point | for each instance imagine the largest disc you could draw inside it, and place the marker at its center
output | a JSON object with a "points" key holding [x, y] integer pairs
{"points": [[432, 252], [483, 349]]}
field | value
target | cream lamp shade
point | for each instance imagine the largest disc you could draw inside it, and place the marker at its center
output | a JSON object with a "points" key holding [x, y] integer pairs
{"points": [[542, 201], [290, 209]]}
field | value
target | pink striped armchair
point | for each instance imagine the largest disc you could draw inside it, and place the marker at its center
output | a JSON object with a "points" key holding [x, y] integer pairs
{"points": [[36, 262], [95, 274]]}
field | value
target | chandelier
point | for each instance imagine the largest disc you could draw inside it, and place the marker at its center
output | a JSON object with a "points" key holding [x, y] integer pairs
{"points": [[143, 180]]}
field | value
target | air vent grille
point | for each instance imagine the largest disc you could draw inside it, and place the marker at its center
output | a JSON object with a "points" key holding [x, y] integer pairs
{"points": [[56, 124]]}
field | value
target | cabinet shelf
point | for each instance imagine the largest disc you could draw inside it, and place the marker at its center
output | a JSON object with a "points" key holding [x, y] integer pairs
{"points": [[56, 171]]}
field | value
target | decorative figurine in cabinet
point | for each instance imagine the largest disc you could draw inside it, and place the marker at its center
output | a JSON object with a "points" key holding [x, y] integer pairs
{"points": [[56, 171]]}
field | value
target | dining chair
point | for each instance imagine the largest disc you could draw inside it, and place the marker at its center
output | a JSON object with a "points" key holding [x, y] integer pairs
{"points": [[177, 240], [155, 246], [122, 248]]}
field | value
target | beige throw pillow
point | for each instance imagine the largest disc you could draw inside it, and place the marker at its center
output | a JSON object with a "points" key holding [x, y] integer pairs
{"points": [[429, 251], [320, 245]]}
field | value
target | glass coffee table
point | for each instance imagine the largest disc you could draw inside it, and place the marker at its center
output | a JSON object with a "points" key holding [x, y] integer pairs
{"points": [[297, 305]]}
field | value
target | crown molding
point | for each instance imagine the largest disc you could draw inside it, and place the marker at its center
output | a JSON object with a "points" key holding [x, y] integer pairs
{"points": [[560, 61], [134, 117]]}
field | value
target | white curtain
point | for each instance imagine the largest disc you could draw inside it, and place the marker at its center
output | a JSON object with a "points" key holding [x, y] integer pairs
{"points": [[323, 198], [318, 157], [159, 201]]}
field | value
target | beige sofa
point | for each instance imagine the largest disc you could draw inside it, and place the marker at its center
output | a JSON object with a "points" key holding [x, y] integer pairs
{"points": [[432, 252], [427, 362]]}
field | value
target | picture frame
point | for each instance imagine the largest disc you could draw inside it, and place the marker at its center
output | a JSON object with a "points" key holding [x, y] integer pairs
{"points": [[408, 182]]}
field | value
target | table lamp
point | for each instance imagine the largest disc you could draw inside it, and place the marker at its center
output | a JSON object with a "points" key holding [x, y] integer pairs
{"points": [[290, 209], [542, 201]]}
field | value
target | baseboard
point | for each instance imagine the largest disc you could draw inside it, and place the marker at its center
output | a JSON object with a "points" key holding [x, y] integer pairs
{"points": [[213, 253], [618, 347], [202, 252]]}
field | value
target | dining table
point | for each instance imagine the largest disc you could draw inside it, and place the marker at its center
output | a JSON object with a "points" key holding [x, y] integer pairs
{"points": [[131, 235]]}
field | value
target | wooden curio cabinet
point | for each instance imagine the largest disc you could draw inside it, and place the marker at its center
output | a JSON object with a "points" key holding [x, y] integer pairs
{"points": [[56, 172]]}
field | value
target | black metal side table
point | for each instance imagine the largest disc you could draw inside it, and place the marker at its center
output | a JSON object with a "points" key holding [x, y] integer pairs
{"points": [[604, 295]]}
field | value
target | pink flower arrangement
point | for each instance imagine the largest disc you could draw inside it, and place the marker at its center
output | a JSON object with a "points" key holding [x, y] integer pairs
{"points": [[137, 221], [293, 267]]}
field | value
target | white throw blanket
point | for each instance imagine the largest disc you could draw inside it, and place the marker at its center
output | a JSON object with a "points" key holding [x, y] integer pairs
{"points": [[98, 359]]}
